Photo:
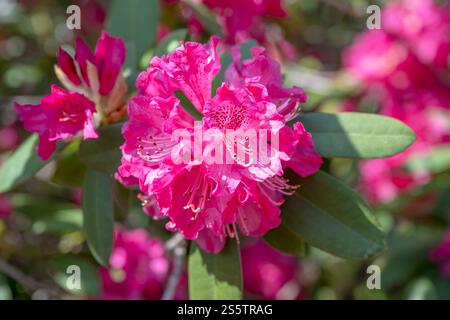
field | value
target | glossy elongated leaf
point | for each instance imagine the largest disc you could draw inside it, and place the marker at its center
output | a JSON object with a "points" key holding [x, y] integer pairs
{"points": [[215, 276], [39, 207], [69, 169], [62, 222], [136, 21], [170, 42], [48, 215], [332, 217], [357, 135], [408, 254], [103, 154], [21, 165], [436, 161], [98, 214], [286, 240], [442, 208]]}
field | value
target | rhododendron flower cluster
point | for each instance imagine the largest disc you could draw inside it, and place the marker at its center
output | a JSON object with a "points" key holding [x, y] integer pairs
{"points": [[270, 274], [441, 256], [95, 84], [139, 268], [206, 202], [401, 67], [243, 20], [423, 24]]}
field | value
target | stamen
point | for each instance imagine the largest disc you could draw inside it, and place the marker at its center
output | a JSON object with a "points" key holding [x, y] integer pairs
{"points": [[280, 184], [229, 116], [146, 200], [238, 143], [155, 148], [200, 191], [243, 220], [229, 231], [290, 114], [236, 234], [269, 197]]}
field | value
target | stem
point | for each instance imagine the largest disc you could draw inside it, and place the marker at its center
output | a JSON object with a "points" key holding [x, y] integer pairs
{"points": [[29, 284], [179, 254]]}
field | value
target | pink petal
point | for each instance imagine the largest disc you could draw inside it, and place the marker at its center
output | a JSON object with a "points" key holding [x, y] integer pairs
{"points": [[305, 160], [82, 55], [211, 242], [66, 63], [191, 68], [60, 115], [110, 55]]}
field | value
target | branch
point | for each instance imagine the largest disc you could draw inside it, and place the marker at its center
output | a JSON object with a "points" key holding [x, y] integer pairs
{"points": [[173, 242], [28, 283], [179, 254]]}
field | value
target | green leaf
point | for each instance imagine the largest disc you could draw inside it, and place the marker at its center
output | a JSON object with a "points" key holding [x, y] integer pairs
{"points": [[421, 289], [89, 276], [38, 207], [103, 154], [62, 222], [21, 165], [225, 61], [442, 288], [408, 254], [332, 217], [170, 42], [69, 169], [246, 49], [286, 240], [206, 17], [442, 207], [47, 214], [98, 214], [357, 135], [188, 106], [435, 161], [215, 276], [136, 21]]}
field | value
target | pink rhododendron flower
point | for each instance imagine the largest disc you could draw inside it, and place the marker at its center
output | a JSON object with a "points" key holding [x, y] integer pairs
{"points": [[383, 179], [441, 256], [424, 25], [244, 19], [96, 72], [206, 201], [138, 269], [378, 57], [270, 274], [5, 207], [60, 115], [94, 82], [403, 75]]}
